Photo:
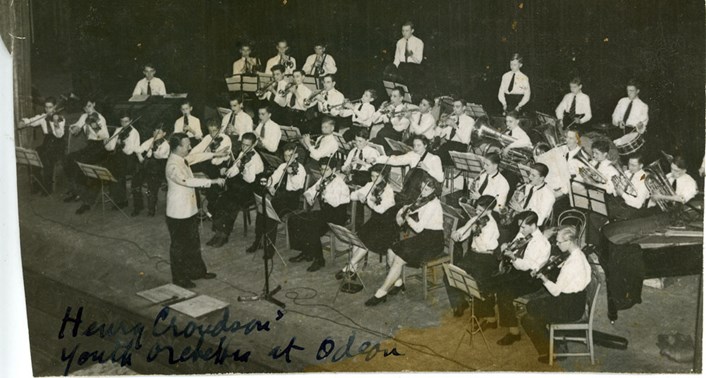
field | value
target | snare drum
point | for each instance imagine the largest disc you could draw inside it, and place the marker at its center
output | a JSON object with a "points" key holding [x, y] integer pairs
{"points": [[629, 143]]}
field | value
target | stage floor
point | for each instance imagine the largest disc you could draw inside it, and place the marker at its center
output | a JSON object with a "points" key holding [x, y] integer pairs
{"points": [[101, 260]]}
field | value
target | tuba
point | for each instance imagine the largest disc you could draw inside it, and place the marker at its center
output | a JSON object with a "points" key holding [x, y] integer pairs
{"points": [[486, 132], [657, 183]]}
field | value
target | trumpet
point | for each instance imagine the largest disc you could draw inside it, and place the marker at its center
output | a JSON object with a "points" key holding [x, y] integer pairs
{"points": [[261, 92], [657, 183], [345, 102], [308, 101], [286, 89], [589, 172], [623, 183], [394, 113]]}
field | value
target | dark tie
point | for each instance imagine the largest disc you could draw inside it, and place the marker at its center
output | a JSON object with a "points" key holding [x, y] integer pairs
{"points": [[631, 176], [627, 112], [293, 100], [483, 185], [406, 48], [186, 120], [596, 165], [529, 197], [512, 84], [674, 185], [360, 157], [567, 156], [231, 121], [186, 162], [326, 96], [453, 130], [262, 132], [318, 142], [572, 109], [149, 88], [360, 106], [247, 65]]}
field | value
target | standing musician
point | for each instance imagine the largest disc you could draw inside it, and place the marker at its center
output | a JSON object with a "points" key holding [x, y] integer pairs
{"points": [[330, 101], [240, 184], [188, 124], [409, 55], [246, 65], [422, 122], [183, 224], [236, 123], [478, 261], [267, 131], [380, 231], [320, 63], [300, 114], [326, 144], [153, 154], [361, 114], [306, 230], [286, 186], [684, 186], [575, 108], [512, 121], [568, 293], [603, 165], [125, 144], [419, 157], [457, 132], [275, 94], [94, 152], [288, 63], [631, 113], [52, 148], [490, 182], [425, 218], [395, 119], [150, 85], [514, 92], [360, 159]]}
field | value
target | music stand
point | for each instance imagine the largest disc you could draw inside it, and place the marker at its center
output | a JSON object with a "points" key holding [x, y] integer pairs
{"points": [[271, 159], [524, 172], [461, 280], [271, 214], [398, 146], [342, 144], [347, 236], [242, 83], [263, 79], [588, 197], [290, 133], [476, 110], [30, 158], [466, 162], [391, 85], [546, 119], [452, 210], [311, 82], [101, 174]]}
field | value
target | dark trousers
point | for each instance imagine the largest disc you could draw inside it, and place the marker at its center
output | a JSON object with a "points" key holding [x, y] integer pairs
{"points": [[443, 151], [284, 202], [121, 165], [238, 196], [549, 309], [387, 132], [211, 171], [303, 120], [185, 249], [306, 229], [51, 150], [94, 153], [509, 286], [151, 172], [481, 267]]}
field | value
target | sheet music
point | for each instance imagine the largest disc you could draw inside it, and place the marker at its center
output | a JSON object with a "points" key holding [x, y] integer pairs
{"points": [[139, 98]]}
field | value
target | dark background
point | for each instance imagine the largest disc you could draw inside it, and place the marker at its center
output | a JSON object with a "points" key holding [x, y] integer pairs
{"points": [[193, 43]]}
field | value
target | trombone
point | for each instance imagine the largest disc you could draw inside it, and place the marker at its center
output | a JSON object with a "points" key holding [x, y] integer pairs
{"points": [[623, 182], [589, 172]]}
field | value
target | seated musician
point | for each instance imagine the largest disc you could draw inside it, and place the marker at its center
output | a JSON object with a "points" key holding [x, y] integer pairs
{"points": [[306, 229], [240, 183], [425, 218], [153, 155], [319, 63], [300, 114], [684, 186], [361, 114], [514, 279], [575, 108], [52, 148], [188, 124], [573, 151], [326, 144], [236, 123], [150, 85], [514, 92], [631, 114], [568, 293], [491, 182], [360, 159], [88, 109], [522, 140], [603, 165], [288, 63], [93, 153], [395, 119], [380, 231], [330, 102], [286, 186], [267, 131], [458, 134], [478, 261], [536, 196], [275, 94], [422, 122], [246, 65], [419, 157], [125, 144], [216, 141]]}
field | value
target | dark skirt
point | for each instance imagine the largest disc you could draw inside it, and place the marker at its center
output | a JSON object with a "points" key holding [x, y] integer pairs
{"points": [[380, 231], [420, 248]]}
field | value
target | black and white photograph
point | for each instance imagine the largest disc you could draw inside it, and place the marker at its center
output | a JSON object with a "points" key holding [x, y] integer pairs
{"points": [[335, 186]]}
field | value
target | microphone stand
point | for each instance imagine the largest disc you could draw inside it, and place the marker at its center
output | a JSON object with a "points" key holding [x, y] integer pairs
{"points": [[266, 295]]}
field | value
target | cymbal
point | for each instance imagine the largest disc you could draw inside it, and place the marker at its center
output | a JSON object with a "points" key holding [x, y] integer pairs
{"points": [[603, 126]]}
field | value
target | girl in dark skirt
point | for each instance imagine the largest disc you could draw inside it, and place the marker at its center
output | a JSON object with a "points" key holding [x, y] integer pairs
{"points": [[380, 231], [426, 218]]}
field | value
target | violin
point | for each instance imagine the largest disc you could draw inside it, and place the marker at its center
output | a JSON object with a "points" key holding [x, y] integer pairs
{"points": [[215, 143], [322, 187], [124, 134], [245, 159], [418, 204], [378, 190], [551, 266], [477, 228], [517, 250]]}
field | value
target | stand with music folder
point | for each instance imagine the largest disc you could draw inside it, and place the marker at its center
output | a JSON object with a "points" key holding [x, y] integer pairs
{"points": [[398, 146], [467, 162], [312, 82], [30, 158], [476, 111], [347, 236], [391, 85], [290, 133], [461, 280], [242, 83], [588, 197], [342, 144], [271, 159], [271, 214], [103, 175], [524, 172]]}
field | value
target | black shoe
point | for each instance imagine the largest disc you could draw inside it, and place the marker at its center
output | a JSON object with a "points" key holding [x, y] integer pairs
{"points": [[212, 240], [254, 247], [316, 265], [300, 257], [544, 359], [458, 311], [135, 212], [340, 274], [396, 289], [83, 209], [374, 301], [150, 213], [71, 198], [484, 325], [220, 242], [509, 339], [351, 275], [209, 276], [186, 284]]}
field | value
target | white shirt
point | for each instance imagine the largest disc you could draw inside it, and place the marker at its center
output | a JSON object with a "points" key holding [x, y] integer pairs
{"points": [[638, 181], [101, 134], [422, 124], [415, 45], [56, 130], [686, 186], [583, 106], [431, 217], [239, 66], [130, 145], [162, 151], [574, 276], [369, 153], [607, 169], [411, 159], [181, 196], [294, 182], [399, 123], [204, 146], [361, 114], [242, 124], [329, 65], [156, 86], [280, 95], [194, 127], [332, 98], [327, 146], [541, 202], [387, 198], [523, 140], [302, 93], [638, 112], [336, 192], [570, 157], [250, 170], [487, 240], [275, 60], [536, 254], [521, 87], [463, 130], [497, 187], [81, 125], [272, 136]]}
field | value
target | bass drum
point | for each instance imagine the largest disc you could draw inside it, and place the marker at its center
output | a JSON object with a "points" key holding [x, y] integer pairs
{"points": [[487, 147]]}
